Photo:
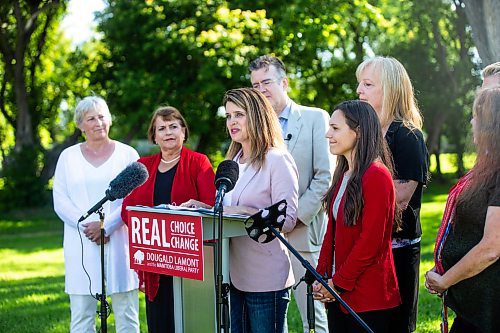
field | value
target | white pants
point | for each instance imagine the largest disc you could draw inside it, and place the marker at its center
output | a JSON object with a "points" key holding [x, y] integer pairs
{"points": [[125, 307], [300, 294]]}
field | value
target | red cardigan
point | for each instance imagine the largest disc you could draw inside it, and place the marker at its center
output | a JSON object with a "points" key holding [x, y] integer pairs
{"points": [[364, 266], [194, 179]]}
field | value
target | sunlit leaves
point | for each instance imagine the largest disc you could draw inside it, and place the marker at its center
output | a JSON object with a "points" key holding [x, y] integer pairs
{"points": [[182, 53]]}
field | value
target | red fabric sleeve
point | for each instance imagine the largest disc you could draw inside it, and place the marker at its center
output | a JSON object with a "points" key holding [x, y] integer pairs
{"points": [[325, 260], [142, 195]]}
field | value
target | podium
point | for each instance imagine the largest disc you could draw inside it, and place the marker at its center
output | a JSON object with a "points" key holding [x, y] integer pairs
{"points": [[194, 300]]}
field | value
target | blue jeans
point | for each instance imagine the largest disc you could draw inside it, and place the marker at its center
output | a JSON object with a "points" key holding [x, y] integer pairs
{"points": [[259, 312]]}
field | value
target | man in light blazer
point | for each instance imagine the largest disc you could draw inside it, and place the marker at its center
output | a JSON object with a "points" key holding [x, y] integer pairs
{"points": [[303, 130]]}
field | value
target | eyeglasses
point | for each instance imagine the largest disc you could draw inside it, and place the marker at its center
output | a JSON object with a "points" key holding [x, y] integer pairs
{"points": [[264, 83]]}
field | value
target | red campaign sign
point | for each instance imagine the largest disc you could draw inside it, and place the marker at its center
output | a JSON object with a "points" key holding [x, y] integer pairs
{"points": [[169, 244]]}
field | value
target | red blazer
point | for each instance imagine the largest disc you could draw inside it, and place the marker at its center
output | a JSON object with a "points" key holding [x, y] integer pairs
{"points": [[194, 179], [364, 266]]}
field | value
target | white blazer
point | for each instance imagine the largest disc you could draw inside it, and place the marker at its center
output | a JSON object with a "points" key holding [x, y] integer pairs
{"points": [[71, 201]]}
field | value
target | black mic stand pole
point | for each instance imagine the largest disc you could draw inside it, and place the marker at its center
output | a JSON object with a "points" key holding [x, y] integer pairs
{"points": [[319, 278], [102, 297], [222, 290], [311, 316]]}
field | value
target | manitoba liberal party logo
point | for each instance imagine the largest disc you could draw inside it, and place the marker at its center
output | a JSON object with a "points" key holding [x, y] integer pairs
{"points": [[138, 257]]}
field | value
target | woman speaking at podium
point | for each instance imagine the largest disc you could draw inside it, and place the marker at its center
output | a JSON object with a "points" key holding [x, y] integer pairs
{"points": [[261, 274], [176, 174]]}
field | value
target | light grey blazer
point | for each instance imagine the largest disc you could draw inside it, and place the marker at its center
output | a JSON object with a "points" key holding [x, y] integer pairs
{"points": [[256, 267], [310, 151]]}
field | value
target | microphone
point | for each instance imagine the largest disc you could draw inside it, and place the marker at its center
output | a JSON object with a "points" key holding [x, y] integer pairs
{"points": [[134, 175], [225, 178], [288, 137]]}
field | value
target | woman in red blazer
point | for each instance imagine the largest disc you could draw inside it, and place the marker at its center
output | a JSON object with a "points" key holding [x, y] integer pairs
{"points": [[176, 175], [356, 254]]}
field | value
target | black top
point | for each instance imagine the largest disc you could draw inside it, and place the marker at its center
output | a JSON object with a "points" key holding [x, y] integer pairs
{"points": [[411, 162], [163, 186], [476, 299]]}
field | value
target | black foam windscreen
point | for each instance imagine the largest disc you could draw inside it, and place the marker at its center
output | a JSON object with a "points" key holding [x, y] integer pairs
{"points": [[227, 174], [258, 225], [134, 175]]}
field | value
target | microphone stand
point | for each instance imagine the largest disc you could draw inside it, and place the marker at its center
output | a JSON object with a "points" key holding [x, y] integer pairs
{"points": [[222, 289], [264, 223], [102, 297], [311, 316]]}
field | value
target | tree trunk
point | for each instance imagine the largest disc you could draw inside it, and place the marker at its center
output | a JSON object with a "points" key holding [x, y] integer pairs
{"points": [[439, 173], [434, 129], [24, 130], [483, 17], [460, 163]]}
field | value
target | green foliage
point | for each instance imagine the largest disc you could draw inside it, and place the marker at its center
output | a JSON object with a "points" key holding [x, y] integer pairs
{"points": [[28, 37], [41, 81], [321, 45], [23, 186], [449, 163], [188, 53], [182, 53], [436, 48]]}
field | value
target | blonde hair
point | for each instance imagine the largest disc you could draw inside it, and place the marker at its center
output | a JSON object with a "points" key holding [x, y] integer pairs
{"points": [[262, 124], [398, 101]]}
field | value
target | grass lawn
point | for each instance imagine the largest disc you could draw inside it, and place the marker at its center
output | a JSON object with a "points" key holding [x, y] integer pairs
{"points": [[32, 297]]}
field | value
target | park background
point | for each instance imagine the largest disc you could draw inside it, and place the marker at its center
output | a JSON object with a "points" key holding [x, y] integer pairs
{"points": [[186, 53]]}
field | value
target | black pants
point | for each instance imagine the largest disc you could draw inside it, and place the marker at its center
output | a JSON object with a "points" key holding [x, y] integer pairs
{"points": [[339, 322], [407, 263], [160, 312], [460, 325]]}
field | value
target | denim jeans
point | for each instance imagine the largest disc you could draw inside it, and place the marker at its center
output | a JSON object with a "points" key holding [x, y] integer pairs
{"points": [[259, 312]]}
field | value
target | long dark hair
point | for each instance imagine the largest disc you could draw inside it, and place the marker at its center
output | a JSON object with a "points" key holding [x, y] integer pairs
{"points": [[370, 146], [486, 113]]}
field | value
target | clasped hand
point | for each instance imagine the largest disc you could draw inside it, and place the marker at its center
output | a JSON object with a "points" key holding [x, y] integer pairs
{"points": [[321, 294], [92, 231], [434, 282]]}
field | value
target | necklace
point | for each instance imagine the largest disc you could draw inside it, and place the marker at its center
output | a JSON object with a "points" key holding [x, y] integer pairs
{"points": [[172, 160]]}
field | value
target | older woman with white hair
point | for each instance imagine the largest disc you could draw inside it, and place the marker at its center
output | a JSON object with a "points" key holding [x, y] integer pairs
{"points": [[82, 176]]}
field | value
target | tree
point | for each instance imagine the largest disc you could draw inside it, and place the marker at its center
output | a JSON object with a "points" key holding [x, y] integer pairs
{"points": [[40, 75], [321, 45], [189, 53], [483, 18], [437, 51], [23, 36], [24, 29], [192, 51]]}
